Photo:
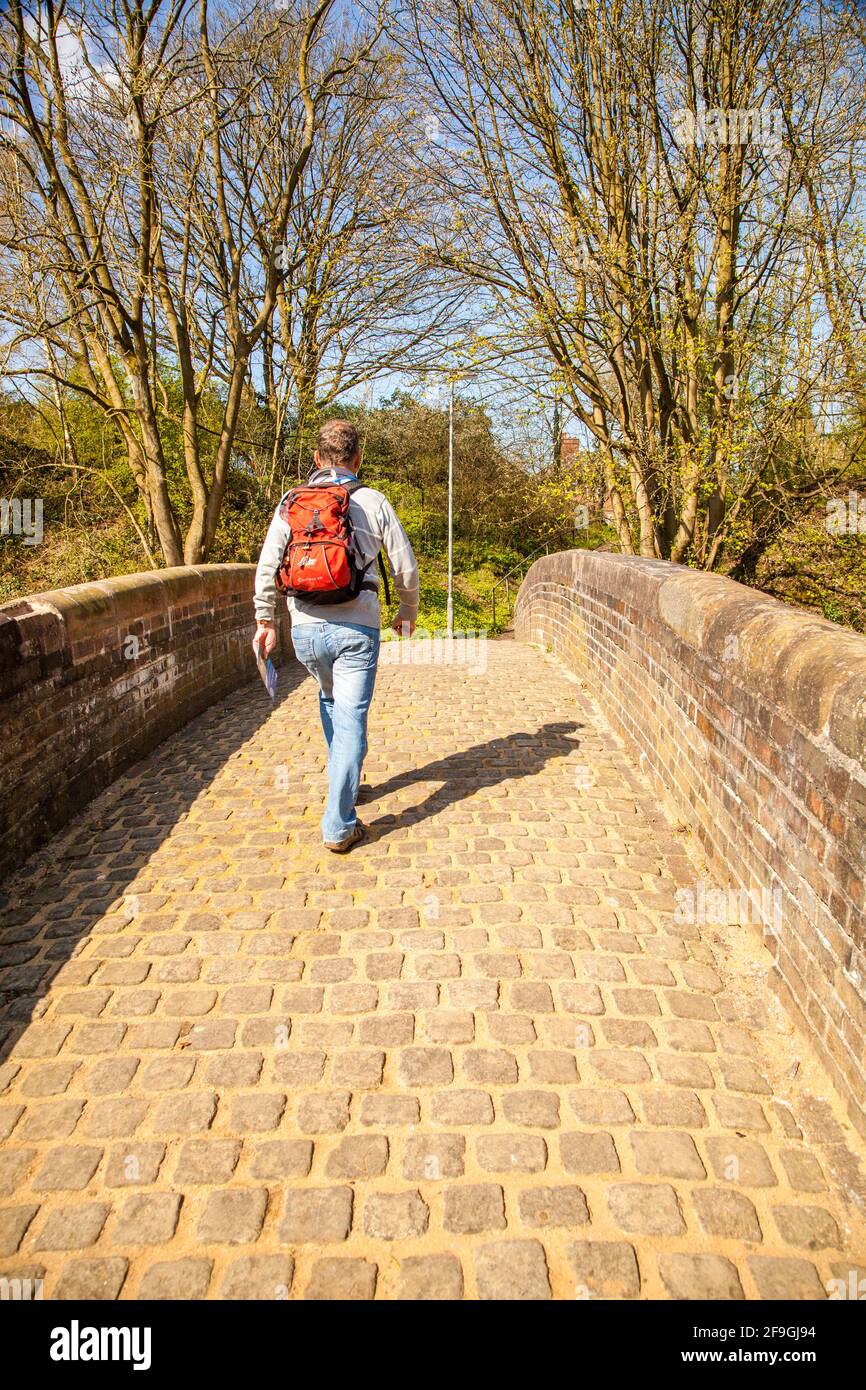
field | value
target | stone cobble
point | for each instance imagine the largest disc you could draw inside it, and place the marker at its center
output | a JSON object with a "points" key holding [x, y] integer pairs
{"points": [[477, 1057]]}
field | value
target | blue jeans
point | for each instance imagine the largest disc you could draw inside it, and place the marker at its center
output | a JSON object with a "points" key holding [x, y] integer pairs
{"points": [[342, 657]]}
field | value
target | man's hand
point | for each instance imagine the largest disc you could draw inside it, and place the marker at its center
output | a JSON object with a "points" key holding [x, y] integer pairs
{"points": [[404, 627], [265, 639]]}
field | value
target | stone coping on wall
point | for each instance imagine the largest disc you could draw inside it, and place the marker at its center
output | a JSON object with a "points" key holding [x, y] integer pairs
{"points": [[94, 676]]}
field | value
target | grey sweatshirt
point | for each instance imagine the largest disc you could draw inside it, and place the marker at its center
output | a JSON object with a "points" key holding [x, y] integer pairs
{"points": [[376, 527]]}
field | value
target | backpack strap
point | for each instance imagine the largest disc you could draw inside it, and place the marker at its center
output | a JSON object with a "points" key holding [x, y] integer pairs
{"points": [[384, 574], [368, 583]]}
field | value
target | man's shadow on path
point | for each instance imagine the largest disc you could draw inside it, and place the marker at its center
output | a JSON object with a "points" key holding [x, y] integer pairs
{"points": [[470, 770], [102, 851]]}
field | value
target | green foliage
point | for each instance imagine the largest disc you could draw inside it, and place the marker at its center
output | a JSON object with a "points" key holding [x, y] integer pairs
{"points": [[808, 567], [87, 532], [96, 525]]}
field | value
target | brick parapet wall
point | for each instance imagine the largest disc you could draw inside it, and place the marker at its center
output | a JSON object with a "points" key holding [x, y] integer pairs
{"points": [[751, 717], [95, 676]]}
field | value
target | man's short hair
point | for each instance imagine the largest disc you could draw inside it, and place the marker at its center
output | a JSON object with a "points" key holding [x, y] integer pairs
{"points": [[338, 443]]}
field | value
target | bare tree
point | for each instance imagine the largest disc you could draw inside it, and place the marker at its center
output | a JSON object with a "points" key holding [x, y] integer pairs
{"points": [[356, 298], [637, 189], [124, 122]]}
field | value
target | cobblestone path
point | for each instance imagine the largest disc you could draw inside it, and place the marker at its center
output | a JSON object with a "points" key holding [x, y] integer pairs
{"points": [[476, 1057]]}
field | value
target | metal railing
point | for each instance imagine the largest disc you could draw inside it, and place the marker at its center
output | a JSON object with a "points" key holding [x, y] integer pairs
{"points": [[506, 579]]}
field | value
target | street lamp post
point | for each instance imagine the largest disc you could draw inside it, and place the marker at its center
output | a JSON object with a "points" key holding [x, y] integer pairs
{"points": [[449, 612]]}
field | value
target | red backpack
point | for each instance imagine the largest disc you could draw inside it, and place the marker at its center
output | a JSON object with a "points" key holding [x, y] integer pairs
{"points": [[321, 563]]}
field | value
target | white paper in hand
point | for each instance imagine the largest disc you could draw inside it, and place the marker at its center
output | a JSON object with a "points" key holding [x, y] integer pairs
{"points": [[268, 673]]}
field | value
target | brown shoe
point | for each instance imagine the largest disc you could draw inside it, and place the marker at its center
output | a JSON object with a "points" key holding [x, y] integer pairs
{"points": [[357, 833]]}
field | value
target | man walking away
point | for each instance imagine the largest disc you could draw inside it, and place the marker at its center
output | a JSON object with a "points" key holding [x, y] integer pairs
{"points": [[321, 550]]}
